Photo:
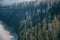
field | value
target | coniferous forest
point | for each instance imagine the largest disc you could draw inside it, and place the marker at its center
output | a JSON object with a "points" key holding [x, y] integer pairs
{"points": [[30, 21]]}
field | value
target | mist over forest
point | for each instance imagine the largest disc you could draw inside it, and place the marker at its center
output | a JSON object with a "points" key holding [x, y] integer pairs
{"points": [[34, 20]]}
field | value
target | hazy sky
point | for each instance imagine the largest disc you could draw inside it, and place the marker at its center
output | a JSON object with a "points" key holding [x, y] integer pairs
{"points": [[13, 1], [10, 2]]}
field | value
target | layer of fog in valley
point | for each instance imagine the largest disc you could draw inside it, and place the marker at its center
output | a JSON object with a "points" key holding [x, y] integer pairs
{"points": [[5, 34]]}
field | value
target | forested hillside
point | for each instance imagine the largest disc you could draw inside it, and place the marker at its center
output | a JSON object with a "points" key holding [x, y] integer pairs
{"points": [[33, 22]]}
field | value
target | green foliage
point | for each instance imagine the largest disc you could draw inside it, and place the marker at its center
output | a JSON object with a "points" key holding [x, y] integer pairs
{"points": [[37, 33]]}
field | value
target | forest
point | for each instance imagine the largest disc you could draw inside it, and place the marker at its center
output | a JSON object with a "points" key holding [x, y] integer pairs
{"points": [[33, 22]]}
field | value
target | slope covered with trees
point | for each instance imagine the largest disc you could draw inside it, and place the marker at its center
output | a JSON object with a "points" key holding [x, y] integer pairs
{"points": [[33, 22]]}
